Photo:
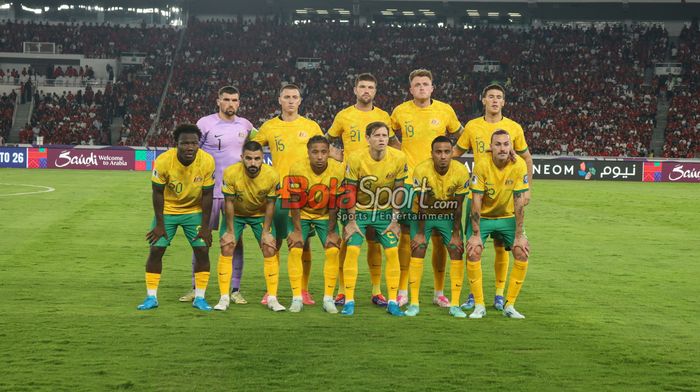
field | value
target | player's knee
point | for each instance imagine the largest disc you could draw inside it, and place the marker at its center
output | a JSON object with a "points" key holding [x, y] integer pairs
{"points": [[420, 253], [268, 252], [475, 256], [307, 247], [455, 254], [158, 251], [227, 250], [519, 254]]}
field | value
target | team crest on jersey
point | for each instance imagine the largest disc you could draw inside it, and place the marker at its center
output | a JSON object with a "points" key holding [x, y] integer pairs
{"points": [[302, 134], [475, 179], [434, 121], [525, 179]]}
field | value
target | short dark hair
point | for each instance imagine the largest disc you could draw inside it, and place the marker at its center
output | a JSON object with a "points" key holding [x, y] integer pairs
{"points": [[373, 126], [440, 139], [365, 77], [252, 146], [493, 86], [228, 90], [290, 86], [186, 128], [317, 139], [499, 132]]}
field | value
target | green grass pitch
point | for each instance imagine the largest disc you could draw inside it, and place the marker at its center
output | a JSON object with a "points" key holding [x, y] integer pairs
{"points": [[610, 300]]}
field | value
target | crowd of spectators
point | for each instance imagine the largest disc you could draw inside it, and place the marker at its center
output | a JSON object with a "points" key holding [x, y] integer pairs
{"points": [[7, 109], [683, 127], [81, 118], [576, 91], [581, 91]]}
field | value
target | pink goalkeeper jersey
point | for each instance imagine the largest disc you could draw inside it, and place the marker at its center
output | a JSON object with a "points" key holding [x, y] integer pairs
{"points": [[224, 141]]}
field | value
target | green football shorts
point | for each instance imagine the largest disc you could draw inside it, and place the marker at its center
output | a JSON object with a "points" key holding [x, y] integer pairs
{"points": [[502, 229], [379, 220], [240, 222], [190, 224]]}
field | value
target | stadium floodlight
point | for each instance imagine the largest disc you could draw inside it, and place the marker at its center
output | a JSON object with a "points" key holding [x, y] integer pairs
{"points": [[474, 14], [493, 14], [392, 9], [514, 14], [408, 13], [424, 10], [302, 11], [322, 12], [36, 11], [387, 13], [5, 6]]}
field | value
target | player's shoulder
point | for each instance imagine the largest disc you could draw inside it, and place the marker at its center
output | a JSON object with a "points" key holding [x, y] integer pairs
{"points": [[204, 156], [511, 124], [270, 123], [380, 112], [299, 166], [232, 170], [167, 156], [424, 166], [269, 171], [345, 112], [437, 104], [520, 163], [357, 156], [483, 165], [245, 122], [474, 123], [394, 153], [458, 168], [402, 107], [203, 122]]}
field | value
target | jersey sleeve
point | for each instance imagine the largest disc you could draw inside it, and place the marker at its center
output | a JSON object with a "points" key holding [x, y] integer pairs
{"points": [[205, 133], [336, 129], [351, 172], [160, 173], [402, 168], [462, 179], [453, 124], [228, 187], [478, 181], [339, 174], [519, 143], [394, 122], [465, 142], [521, 182], [386, 119], [316, 129], [274, 185], [209, 176], [419, 179], [260, 136]]}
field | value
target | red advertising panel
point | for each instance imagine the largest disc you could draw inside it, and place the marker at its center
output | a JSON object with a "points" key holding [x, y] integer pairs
{"points": [[681, 172]]}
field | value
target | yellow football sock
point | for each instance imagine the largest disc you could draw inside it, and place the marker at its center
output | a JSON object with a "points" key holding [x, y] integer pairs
{"points": [[306, 262], [500, 267], [271, 269], [350, 271], [152, 281], [475, 283], [404, 255], [374, 262], [330, 271], [224, 270], [415, 275], [439, 262], [456, 280], [201, 280], [517, 277], [393, 272], [341, 261], [295, 270]]}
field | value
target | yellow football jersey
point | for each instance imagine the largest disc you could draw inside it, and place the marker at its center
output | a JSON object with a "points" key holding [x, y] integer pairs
{"points": [[323, 186], [477, 137], [370, 175], [287, 140], [350, 124], [436, 187], [183, 184], [250, 194], [498, 186], [419, 126]]}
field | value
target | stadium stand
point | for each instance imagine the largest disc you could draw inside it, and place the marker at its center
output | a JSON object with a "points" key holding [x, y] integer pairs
{"points": [[7, 109]]}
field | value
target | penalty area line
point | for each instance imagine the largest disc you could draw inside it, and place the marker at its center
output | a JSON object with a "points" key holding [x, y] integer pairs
{"points": [[44, 189]]}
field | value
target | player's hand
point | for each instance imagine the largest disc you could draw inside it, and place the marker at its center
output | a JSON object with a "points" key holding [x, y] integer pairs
{"points": [[268, 240], [418, 242], [512, 155], [205, 234], [332, 240], [154, 235], [456, 242], [350, 229], [474, 245], [522, 243], [294, 239], [393, 227], [336, 153], [227, 239]]}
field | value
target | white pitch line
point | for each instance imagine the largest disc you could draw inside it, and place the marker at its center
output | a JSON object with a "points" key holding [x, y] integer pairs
{"points": [[45, 189]]}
